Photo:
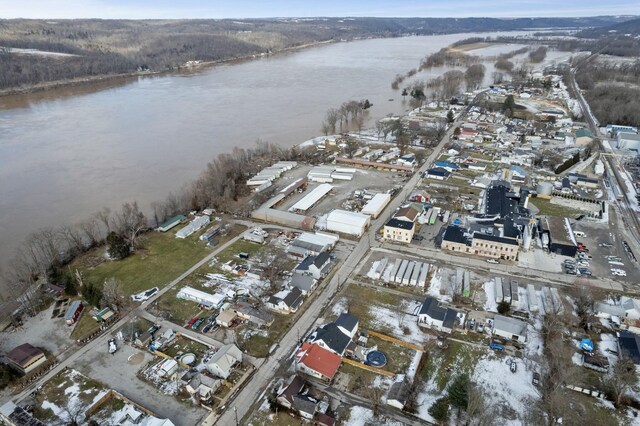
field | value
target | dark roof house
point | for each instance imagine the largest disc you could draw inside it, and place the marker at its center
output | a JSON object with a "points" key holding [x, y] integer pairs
{"points": [[629, 345], [347, 323], [435, 316], [332, 338]]}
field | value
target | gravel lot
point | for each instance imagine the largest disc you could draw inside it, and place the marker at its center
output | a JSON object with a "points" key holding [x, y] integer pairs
{"points": [[118, 373], [41, 331]]}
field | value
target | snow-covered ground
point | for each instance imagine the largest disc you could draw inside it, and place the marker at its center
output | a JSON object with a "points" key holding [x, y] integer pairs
{"points": [[630, 189], [387, 317], [490, 290], [72, 394], [502, 387], [360, 416]]}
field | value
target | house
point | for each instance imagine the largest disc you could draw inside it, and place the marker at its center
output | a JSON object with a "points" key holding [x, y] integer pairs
{"points": [[307, 244], [73, 312], [209, 301], [629, 346], [316, 266], [203, 386], [246, 311], [399, 230], [437, 173], [305, 283], [170, 223], [398, 394], [510, 328], [317, 362], [14, 415], [223, 361], [226, 318], [436, 317], [408, 214], [25, 358], [295, 387], [331, 338], [196, 224], [447, 165], [305, 406], [348, 324], [287, 301]]}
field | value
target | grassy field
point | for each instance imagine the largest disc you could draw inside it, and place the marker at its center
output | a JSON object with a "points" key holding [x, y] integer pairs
{"points": [[398, 357], [163, 259], [176, 310], [240, 246], [266, 417], [549, 209], [360, 298]]}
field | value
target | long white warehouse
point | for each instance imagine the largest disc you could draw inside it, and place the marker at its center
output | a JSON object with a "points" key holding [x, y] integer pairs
{"points": [[208, 300], [311, 198], [347, 222], [376, 205]]}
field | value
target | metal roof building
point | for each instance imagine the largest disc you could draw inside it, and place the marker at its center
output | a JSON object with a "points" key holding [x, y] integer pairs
{"points": [[347, 222], [376, 205], [311, 198]]}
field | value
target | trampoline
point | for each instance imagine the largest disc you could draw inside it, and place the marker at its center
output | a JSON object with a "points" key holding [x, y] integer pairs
{"points": [[376, 359], [188, 359]]}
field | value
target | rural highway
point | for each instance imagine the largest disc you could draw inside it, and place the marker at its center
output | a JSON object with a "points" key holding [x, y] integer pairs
{"points": [[242, 405]]}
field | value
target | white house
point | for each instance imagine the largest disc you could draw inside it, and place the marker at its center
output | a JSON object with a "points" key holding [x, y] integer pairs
{"points": [[510, 328], [348, 324], [399, 230], [222, 362], [286, 301], [436, 317], [210, 301], [316, 266]]}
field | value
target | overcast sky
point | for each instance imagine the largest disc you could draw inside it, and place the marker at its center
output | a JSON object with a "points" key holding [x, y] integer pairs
{"points": [[140, 9]]}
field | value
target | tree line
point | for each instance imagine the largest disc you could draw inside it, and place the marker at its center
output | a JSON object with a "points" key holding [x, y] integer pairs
{"points": [[44, 255]]}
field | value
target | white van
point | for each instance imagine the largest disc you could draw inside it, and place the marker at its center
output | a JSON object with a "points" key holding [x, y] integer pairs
{"points": [[579, 234]]}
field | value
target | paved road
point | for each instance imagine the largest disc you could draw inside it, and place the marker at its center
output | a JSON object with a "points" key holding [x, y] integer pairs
{"points": [[242, 405]]}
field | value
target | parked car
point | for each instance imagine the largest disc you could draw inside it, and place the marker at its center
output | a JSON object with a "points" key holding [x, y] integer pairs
{"points": [[480, 327], [584, 271], [418, 237], [607, 245], [145, 295], [619, 272], [513, 367], [471, 324], [496, 347], [536, 379], [197, 324], [206, 328], [192, 321], [494, 261], [571, 272]]}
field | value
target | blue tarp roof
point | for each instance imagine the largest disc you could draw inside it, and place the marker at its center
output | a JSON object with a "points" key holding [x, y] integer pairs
{"points": [[586, 344]]}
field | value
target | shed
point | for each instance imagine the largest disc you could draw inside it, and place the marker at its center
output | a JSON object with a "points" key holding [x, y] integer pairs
{"points": [[73, 312], [170, 223], [226, 318], [510, 328]]}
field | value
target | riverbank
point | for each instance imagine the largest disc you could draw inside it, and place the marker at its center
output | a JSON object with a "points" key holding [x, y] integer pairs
{"points": [[82, 81]]}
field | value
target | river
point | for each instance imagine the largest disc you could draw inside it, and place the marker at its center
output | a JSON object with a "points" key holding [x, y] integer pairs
{"points": [[67, 152]]}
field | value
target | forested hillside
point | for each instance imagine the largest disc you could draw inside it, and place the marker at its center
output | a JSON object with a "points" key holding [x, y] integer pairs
{"points": [[103, 47]]}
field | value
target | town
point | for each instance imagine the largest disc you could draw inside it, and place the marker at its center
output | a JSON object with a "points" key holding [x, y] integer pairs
{"points": [[472, 259]]}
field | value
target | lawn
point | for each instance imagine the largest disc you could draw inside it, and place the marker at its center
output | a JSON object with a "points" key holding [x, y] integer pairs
{"points": [[266, 417], [360, 298], [85, 324], [360, 379], [548, 209], [258, 345], [182, 345], [178, 311], [398, 357], [240, 246], [163, 258]]}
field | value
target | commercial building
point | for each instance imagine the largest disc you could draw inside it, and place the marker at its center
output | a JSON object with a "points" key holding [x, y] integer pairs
{"points": [[376, 205], [494, 247], [311, 198], [311, 244], [347, 222], [561, 238], [399, 230], [26, 358], [627, 140]]}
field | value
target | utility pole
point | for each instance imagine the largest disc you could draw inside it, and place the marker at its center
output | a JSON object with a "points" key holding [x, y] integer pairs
{"points": [[235, 411]]}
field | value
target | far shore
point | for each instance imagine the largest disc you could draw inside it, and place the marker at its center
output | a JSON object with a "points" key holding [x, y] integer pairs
{"points": [[80, 81]]}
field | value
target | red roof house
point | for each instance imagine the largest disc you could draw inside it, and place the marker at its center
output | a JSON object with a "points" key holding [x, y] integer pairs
{"points": [[317, 362]]}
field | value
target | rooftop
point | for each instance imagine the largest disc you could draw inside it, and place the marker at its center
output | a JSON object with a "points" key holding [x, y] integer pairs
{"points": [[401, 224], [24, 353], [455, 234], [510, 325], [318, 359], [495, 239]]}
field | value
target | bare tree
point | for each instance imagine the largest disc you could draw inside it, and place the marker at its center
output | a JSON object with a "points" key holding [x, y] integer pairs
{"points": [[91, 230], [113, 294], [359, 120], [474, 75], [622, 378], [379, 128], [331, 118], [402, 141], [274, 264], [131, 222], [351, 146], [325, 128], [73, 237], [104, 216]]}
